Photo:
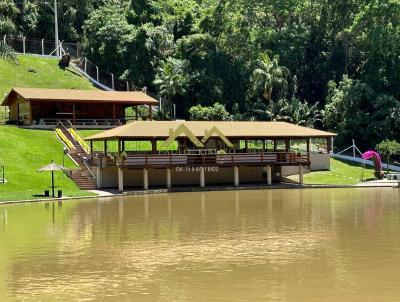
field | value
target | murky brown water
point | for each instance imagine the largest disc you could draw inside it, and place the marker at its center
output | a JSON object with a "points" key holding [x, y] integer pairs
{"points": [[277, 245]]}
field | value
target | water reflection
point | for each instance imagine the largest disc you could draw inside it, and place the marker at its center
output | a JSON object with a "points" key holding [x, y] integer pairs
{"points": [[292, 245]]}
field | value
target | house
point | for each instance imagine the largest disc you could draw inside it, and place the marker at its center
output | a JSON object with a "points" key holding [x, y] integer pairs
{"points": [[42, 108]]}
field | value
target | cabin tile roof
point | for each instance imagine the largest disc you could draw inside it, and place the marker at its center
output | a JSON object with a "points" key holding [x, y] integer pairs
{"points": [[232, 129], [74, 95]]}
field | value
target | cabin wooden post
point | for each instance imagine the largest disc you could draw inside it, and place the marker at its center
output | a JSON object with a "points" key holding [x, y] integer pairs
{"points": [[246, 145], [30, 113], [119, 146], [105, 147], [136, 113], [275, 145], [308, 145], [73, 114], [123, 145]]}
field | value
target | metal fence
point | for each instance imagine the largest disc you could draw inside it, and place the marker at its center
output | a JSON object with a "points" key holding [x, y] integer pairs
{"points": [[101, 78]]}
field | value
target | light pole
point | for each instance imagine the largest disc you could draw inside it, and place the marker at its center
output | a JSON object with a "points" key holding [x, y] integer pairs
{"points": [[55, 25]]}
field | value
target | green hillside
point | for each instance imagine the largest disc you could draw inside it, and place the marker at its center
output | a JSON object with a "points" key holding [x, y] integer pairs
{"points": [[38, 72], [24, 151]]}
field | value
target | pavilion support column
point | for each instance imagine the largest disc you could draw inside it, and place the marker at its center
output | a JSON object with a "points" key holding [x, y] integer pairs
{"points": [[301, 176], [99, 180], [275, 145], [269, 175], [105, 147], [169, 182], [145, 178], [120, 179], [236, 176], [329, 145], [202, 178], [153, 145], [114, 115], [136, 113], [150, 112], [287, 145], [246, 144]]}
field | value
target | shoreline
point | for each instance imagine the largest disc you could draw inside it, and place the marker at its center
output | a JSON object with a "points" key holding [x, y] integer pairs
{"points": [[115, 193]]}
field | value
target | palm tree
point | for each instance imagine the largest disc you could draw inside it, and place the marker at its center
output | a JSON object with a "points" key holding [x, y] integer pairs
{"points": [[8, 53], [297, 112], [172, 78], [270, 77]]}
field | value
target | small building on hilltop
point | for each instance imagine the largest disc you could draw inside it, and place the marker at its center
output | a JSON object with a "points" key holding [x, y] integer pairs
{"points": [[145, 154], [42, 108]]}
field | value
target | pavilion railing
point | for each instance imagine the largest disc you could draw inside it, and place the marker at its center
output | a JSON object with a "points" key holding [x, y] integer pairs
{"points": [[232, 159]]}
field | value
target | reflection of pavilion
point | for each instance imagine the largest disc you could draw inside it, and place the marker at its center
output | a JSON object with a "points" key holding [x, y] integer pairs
{"points": [[194, 152]]}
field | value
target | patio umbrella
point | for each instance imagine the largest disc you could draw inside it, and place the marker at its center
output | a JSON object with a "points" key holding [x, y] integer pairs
{"points": [[51, 168]]}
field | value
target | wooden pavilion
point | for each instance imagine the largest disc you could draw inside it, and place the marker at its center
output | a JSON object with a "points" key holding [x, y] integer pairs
{"points": [[83, 108], [193, 152]]}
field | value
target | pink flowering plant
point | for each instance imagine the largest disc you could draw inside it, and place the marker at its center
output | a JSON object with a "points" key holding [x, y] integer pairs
{"points": [[376, 158]]}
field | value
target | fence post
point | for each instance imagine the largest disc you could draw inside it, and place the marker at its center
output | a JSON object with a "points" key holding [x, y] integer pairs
{"points": [[97, 73], [85, 68], [127, 86], [4, 39], [112, 81], [43, 47], [23, 44]]}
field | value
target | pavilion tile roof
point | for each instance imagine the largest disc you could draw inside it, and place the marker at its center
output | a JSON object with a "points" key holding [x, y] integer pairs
{"points": [[232, 129], [74, 95]]}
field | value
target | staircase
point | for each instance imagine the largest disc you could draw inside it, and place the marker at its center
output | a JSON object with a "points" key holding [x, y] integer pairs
{"points": [[83, 176]]}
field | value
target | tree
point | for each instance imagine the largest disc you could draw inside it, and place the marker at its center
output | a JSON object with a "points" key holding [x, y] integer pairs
{"points": [[217, 112], [171, 78], [8, 53], [299, 113], [388, 148], [8, 13], [270, 78]]}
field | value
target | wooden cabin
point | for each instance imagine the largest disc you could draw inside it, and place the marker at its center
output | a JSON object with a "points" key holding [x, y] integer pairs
{"points": [[178, 153], [41, 108]]}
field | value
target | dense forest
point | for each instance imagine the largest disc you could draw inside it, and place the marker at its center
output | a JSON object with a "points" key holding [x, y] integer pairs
{"points": [[328, 64]]}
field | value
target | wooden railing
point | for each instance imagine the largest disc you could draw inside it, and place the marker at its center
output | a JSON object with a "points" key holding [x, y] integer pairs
{"points": [[166, 160]]}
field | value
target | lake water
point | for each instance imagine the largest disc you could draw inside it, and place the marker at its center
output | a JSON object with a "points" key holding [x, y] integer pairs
{"points": [[271, 245]]}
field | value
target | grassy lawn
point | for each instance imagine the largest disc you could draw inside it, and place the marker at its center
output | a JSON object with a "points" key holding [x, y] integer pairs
{"points": [[341, 173], [38, 72], [25, 151]]}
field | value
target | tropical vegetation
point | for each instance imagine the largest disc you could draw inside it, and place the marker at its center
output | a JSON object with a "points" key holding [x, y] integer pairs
{"points": [[330, 64]]}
